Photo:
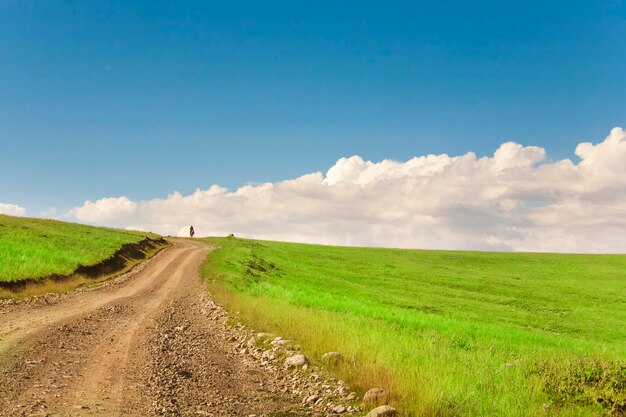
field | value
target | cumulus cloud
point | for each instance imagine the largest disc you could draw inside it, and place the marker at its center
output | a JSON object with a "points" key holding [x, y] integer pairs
{"points": [[105, 210], [12, 210], [513, 200]]}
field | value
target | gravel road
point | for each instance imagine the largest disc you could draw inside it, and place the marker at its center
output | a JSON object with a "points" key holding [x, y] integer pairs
{"points": [[149, 343]]}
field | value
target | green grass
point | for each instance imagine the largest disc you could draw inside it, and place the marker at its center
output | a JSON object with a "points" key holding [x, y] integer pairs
{"points": [[36, 248], [448, 333]]}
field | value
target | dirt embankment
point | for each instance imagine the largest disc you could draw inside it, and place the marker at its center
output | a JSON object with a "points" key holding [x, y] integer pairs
{"points": [[119, 262]]}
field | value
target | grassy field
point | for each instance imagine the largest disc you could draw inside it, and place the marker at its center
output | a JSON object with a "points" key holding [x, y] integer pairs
{"points": [[448, 333], [35, 248]]}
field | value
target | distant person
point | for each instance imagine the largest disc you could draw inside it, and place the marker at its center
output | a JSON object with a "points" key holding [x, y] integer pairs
{"points": [[191, 232]]}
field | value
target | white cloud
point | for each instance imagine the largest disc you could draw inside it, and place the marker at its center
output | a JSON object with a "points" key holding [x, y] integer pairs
{"points": [[105, 210], [12, 210], [514, 200], [50, 213]]}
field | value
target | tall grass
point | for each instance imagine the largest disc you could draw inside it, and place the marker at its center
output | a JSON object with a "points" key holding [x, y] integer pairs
{"points": [[448, 333], [35, 248]]}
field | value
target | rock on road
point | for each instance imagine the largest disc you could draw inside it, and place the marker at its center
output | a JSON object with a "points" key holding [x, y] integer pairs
{"points": [[140, 345]]}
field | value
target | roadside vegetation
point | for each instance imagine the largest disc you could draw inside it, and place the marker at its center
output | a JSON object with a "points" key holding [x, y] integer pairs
{"points": [[447, 333], [34, 249]]}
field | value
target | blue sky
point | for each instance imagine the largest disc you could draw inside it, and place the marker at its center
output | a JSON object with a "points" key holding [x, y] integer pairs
{"points": [[143, 98]]}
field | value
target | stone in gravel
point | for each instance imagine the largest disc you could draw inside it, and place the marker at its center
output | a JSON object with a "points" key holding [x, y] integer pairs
{"points": [[339, 409], [296, 361], [382, 411], [332, 358], [374, 396], [279, 341], [312, 399]]}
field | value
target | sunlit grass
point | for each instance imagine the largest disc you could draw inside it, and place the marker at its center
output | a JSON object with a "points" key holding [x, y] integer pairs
{"points": [[449, 333], [35, 248]]}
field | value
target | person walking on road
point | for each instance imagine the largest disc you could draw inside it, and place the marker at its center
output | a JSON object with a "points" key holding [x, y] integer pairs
{"points": [[191, 232]]}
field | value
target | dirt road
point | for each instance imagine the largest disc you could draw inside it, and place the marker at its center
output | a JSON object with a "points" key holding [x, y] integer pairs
{"points": [[142, 345]]}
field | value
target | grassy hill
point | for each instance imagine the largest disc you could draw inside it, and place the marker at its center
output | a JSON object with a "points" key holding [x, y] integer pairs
{"points": [[448, 333], [37, 248]]}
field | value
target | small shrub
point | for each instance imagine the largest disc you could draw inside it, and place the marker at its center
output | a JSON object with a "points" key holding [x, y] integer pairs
{"points": [[587, 381], [461, 343]]}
